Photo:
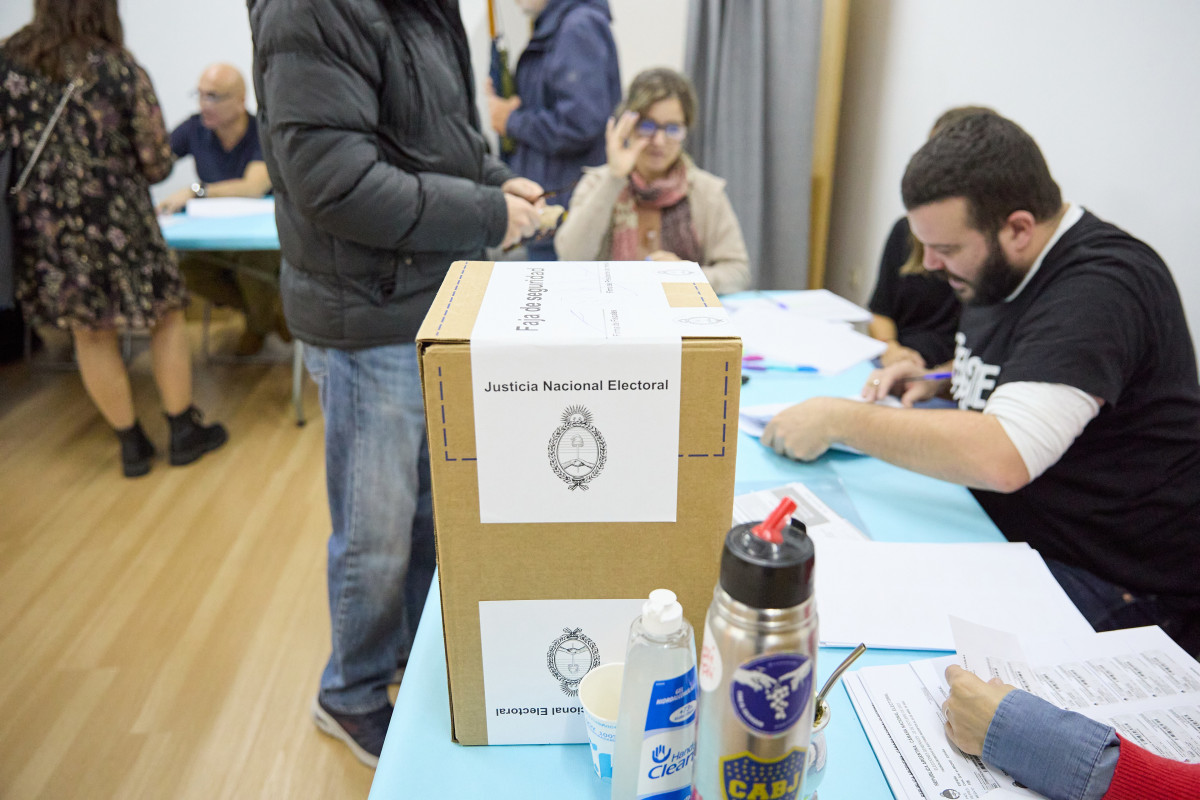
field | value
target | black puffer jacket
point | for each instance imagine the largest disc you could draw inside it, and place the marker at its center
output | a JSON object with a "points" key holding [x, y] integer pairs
{"points": [[381, 175]]}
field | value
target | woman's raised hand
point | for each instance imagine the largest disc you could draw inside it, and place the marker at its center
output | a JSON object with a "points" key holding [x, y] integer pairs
{"points": [[622, 146]]}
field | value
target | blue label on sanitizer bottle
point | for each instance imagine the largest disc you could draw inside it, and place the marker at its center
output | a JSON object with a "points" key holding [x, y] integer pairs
{"points": [[669, 746]]}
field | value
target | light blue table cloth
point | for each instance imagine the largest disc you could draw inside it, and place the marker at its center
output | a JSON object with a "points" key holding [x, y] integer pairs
{"points": [[256, 232], [419, 760]]}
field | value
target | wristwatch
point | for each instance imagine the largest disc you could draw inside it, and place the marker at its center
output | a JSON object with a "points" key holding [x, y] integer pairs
{"points": [[199, 189]]}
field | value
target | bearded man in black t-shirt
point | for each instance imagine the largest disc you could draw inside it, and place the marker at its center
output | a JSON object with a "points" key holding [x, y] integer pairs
{"points": [[1074, 346]]}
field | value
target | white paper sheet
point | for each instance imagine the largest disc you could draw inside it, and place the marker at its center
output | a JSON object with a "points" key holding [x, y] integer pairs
{"points": [[784, 337], [821, 521], [575, 371], [897, 595], [208, 207], [811, 304], [900, 709], [535, 652], [1138, 681], [753, 419]]}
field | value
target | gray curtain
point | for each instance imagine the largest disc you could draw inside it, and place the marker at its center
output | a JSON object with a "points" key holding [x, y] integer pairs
{"points": [[754, 64]]}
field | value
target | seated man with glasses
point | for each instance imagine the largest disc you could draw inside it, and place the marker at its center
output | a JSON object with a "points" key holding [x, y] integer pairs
{"points": [[650, 202], [223, 140]]}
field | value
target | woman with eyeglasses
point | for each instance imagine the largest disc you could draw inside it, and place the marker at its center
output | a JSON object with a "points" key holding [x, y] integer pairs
{"points": [[650, 202], [89, 256]]}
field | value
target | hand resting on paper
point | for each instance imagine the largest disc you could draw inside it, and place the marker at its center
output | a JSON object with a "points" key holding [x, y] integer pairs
{"points": [[801, 432], [902, 379], [970, 708]]}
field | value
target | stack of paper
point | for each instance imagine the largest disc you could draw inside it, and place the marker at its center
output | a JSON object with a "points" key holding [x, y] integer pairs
{"points": [[1138, 681], [207, 207], [898, 595], [813, 304], [753, 420], [810, 329]]}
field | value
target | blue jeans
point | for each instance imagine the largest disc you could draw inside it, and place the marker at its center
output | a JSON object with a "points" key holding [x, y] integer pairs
{"points": [[1109, 607], [381, 552]]}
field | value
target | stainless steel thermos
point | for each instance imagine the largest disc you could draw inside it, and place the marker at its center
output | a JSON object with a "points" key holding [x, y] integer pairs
{"points": [[757, 665]]}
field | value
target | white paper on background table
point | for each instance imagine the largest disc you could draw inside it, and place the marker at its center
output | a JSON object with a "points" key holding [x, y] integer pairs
{"points": [[753, 420], [821, 521], [810, 304], [787, 337], [532, 649], [210, 207], [901, 595]]}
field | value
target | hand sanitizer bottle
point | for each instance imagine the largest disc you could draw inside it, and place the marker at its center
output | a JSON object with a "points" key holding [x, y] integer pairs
{"points": [[656, 724]]}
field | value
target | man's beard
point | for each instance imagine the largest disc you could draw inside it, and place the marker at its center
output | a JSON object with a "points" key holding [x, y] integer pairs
{"points": [[997, 278]]}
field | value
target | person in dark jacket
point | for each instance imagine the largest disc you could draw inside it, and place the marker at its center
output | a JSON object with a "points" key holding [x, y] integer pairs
{"points": [[568, 84], [382, 179]]}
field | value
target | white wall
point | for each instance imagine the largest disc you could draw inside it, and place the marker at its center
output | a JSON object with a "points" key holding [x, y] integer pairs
{"points": [[1106, 87], [174, 41]]}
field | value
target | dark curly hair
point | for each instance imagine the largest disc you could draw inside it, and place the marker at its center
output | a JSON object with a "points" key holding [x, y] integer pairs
{"points": [[990, 162]]}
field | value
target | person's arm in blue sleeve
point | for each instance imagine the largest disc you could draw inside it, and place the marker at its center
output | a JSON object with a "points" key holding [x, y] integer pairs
{"points": [[579, 86], [1057, 753]]}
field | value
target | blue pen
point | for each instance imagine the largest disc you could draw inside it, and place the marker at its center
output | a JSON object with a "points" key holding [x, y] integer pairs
{"points": [[937, 376], [780, 367], [773, 300]]}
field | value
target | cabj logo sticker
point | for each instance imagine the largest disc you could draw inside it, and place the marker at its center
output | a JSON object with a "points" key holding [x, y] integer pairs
{"points": [[770, 693], [571, 656], [746, 777], [576, 449]]}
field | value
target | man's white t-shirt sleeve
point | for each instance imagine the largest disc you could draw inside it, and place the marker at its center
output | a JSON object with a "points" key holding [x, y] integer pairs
{"points": [[1041, 419]]}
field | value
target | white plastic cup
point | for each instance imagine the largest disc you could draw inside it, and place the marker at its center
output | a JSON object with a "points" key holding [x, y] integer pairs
{"points": [[600, 695]]}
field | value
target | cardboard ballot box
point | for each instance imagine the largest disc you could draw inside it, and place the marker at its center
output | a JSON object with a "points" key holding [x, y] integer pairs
{"points": [[582, 424]]}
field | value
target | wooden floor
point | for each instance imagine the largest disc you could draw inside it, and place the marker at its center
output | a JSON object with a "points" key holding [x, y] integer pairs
{"points": [[162, 637]]}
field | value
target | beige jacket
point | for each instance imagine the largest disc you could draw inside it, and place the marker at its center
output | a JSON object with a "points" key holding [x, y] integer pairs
{"points": [[586, 234]]}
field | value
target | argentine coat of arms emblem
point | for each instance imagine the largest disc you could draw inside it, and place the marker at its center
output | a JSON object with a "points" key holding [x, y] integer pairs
{"points": [[571, 656], [577, 451]]}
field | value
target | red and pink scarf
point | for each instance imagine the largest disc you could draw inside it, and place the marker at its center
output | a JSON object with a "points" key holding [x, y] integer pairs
{"points": [[660, 204]]}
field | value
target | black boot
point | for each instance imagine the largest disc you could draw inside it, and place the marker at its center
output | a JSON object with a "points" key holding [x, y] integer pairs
{"points": [[137, 452], [191, 438]]}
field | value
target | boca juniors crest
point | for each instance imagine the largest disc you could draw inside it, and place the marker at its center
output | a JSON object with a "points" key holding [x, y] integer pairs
{"points": [[571, 656], [577, 451]]}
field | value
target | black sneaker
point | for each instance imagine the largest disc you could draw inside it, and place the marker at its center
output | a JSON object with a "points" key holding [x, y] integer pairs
{"points": [[362, 733], [191, 438], [137, 451]]}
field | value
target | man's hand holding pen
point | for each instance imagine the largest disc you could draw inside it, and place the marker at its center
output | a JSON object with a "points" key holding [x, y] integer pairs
{"points": [[911, 382]]}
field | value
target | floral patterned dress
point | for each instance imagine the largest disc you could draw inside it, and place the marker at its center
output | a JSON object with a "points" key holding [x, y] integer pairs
{"points": [[89, 253]]}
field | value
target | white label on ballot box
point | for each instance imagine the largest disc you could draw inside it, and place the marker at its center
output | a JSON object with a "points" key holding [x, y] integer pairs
{"points": [[535, 653], [575, 370]]}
